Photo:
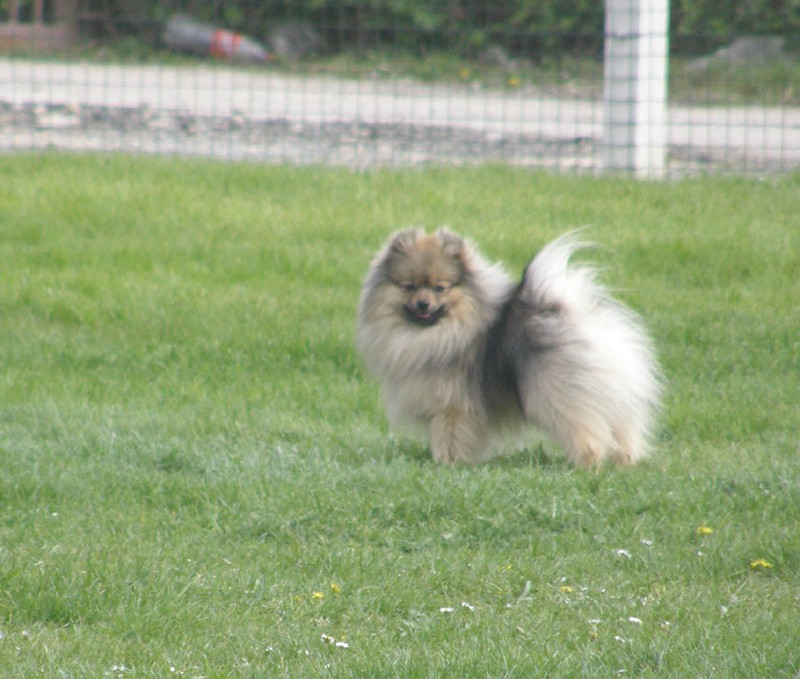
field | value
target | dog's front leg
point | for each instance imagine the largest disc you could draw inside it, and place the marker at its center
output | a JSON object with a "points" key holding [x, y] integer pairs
{"points": [[456, 437]]}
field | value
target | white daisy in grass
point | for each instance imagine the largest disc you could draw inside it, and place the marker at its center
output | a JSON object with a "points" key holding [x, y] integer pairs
{"points": [[331, 641]]}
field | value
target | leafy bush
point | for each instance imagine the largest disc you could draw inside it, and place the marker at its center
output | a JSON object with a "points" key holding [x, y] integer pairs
{"points": [[719, 20], [525, 26]]}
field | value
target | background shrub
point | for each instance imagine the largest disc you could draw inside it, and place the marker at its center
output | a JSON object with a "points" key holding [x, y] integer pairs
{"points": [[524, 27]]}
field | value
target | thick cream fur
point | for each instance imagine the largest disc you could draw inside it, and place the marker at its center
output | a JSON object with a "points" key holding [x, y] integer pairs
{"points": [[582, 366]]}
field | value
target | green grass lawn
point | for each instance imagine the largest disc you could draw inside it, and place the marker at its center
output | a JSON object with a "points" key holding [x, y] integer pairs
{"points": [[198, 480]]}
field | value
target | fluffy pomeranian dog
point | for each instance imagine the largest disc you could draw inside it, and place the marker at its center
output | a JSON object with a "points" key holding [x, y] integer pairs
{"points": [[465, 355]]}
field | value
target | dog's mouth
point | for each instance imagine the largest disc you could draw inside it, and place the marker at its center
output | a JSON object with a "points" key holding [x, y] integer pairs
{"points": [[424, 317]]}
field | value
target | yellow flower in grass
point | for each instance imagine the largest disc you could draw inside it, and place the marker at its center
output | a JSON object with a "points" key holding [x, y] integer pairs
{"points": [[567, 589], [704, 530], [760, 565], [335, 588], [318, 596]]}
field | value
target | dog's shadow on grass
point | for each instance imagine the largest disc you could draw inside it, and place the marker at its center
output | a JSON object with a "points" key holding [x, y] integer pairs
{"points": [[536, 455]]}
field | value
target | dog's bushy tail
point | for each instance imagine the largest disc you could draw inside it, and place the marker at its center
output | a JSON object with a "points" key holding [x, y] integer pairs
{"points": [[550, 281], [586, 369]]}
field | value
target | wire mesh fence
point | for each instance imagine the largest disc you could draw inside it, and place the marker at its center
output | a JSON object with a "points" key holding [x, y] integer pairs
{"points": [[363, 84]]}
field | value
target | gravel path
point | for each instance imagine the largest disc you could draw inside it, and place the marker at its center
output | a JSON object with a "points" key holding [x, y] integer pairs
{"points": [[262, 116]]}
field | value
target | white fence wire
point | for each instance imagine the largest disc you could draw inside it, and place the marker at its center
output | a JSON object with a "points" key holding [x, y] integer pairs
{"points": [[263, 114]]}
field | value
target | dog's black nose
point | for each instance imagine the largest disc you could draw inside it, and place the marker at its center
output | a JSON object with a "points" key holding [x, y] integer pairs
{"points": [[422, 305]]}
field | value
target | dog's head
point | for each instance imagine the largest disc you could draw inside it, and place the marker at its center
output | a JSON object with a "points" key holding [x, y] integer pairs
{"points": [[427, 273]]}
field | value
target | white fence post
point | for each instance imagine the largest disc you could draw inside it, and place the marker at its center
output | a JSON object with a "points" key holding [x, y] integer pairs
{"points": [[635, 87]]}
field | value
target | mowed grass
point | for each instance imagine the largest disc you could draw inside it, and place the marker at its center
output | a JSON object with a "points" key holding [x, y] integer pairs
{"points": [[198, 480]]}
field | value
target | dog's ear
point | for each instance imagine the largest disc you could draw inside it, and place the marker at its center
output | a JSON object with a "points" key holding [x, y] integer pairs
{"points": [[452, 245], [404, 240]]}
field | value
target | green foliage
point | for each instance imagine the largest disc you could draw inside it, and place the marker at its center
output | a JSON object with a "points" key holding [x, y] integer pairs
{"points": [[531, 27], [198, 481], [722, 19], [763, 82]]}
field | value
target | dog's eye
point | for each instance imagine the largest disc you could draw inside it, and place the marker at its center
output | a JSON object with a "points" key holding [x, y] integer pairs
{"points": [[439, 289], [409, 286]]}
